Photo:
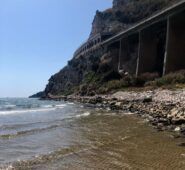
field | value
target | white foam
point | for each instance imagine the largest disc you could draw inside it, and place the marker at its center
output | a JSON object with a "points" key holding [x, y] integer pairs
{"points": [[129, 113], [60, 105], [10, 105], [43, 108], [109, 114], [47, 106], [70, 103], [26, 111], [84, 114]]}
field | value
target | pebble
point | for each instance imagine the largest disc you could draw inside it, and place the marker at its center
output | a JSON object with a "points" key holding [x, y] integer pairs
{"points": [[177, 129]]}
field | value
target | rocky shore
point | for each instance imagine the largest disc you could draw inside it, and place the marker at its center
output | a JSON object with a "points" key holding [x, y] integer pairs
{"points": [[164, 109]]}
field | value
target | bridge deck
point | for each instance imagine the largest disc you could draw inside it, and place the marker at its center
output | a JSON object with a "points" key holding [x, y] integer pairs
{"points": [[162, 15]]}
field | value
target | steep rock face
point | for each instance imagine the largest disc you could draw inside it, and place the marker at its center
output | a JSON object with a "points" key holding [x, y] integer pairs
{"points": [[119, 4], [38, 95], [125, 13], [82, 71], [106, 22], [102, 67], [72, 75]]}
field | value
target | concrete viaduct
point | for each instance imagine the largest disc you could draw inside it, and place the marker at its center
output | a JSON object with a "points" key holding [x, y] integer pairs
{"points": [[92, 45], [157, 42]]}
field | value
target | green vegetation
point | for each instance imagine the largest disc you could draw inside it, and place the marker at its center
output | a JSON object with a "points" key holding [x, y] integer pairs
{"points": [[98, 85], [169, 79], [95, 83]]}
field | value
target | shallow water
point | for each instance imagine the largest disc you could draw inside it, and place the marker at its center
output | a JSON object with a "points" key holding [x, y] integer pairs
{"points": [[57, 135]]}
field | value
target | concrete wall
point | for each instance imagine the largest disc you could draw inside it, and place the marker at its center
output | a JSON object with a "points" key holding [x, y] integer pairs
{"points": [[175, 54]]}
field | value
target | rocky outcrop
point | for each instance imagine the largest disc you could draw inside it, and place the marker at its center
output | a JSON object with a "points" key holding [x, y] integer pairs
{"points": [[100, 67], [71, 76], [125, 13], [38, 95]]}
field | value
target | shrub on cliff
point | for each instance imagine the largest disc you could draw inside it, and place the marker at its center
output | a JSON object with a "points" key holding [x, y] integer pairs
{"points": [[110, 75], [127, 81], [124, 82], [116, 84], [144, 78], [171, 78]]}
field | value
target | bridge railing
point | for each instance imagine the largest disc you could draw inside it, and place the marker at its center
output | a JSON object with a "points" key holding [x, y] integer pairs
{"points": [[90, 43]]}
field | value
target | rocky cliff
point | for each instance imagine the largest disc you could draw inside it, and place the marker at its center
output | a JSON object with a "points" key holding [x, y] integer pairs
{"points": [[125, 13], [38, 95], [87, 74]]}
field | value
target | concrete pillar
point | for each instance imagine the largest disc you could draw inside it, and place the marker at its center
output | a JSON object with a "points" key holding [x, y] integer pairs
{"points": [[119, 56], [152, 49], [113, 51], [148, 52], [138, 56], [128, 54], [123, 54], [175, 50]]}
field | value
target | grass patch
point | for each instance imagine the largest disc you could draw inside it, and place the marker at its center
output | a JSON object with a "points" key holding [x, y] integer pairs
{"points": [[105, 83], [169, 79]]}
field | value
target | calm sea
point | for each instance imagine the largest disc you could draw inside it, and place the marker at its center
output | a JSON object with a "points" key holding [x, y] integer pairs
{"points": [[60, 135]]}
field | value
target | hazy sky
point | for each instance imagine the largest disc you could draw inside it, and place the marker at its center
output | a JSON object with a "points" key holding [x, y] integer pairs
{"points": [[38, 37]]}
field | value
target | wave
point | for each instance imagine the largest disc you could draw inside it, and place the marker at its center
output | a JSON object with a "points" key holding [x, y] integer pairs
{"points": [[54, 106], [27, 132], [34, 130], [43, 125], [43, 159], [129, 113], [10, 112], [9, 105], [24, 109], [60, 105], [83, 114], [70, 103], [47, 106], [21, 125]]}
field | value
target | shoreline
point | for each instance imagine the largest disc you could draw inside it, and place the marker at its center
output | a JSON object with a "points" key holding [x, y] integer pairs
{"points": [[163, 109]]}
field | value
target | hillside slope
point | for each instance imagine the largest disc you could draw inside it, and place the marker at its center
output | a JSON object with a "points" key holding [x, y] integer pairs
{"points": [[87, 74]]}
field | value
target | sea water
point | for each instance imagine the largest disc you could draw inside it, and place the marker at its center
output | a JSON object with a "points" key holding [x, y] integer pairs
{"points": [[37, 134]]}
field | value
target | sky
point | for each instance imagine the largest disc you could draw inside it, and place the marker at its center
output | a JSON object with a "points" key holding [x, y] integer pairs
{"points": [[38, 37]]}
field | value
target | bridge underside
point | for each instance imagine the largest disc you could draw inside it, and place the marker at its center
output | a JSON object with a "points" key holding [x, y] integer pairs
{"points": [[152, 49], [113, 52], [156, 44], [129, 53], [157, 48], [175, 54]]}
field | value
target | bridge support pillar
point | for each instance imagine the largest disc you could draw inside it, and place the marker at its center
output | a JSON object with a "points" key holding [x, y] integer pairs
{"points": [[113, 51], [151, 49], [175, 48], [123, 53], [148, 52], [128, 54]]}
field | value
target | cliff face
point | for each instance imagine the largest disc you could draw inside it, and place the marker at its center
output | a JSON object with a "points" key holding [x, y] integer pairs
{"points": [[81, 75], [125, 13]]}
